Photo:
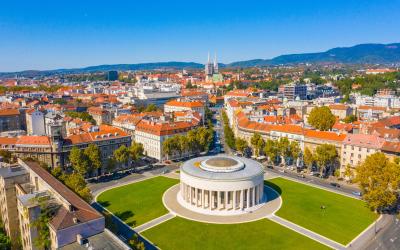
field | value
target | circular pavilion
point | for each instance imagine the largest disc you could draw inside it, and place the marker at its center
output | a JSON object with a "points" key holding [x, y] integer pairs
{"points": [[221, 185]]}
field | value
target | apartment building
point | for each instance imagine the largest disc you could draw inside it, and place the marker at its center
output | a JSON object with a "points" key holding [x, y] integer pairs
{"points": [[10, 119], [185, 104], [54, 150], [341, 110], [356, 147], [100, 115], [152, 132], [74, 224]]}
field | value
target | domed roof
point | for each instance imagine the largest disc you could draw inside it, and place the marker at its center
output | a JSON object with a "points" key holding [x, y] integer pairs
{"points": [[222, 167]]}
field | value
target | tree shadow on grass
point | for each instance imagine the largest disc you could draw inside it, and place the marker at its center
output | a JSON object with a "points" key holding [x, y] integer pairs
{"points": [[104, 203], [124, 216], [270, 194]]}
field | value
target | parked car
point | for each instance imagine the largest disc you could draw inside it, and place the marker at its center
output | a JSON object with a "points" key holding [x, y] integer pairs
{"points": [[282, 170], [301, 176], [356, 193], [334, 184]]}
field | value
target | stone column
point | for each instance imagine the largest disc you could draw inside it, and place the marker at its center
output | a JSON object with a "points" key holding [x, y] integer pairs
{"points": [[203, 199], [218, 199], [241, 197], [248, 198], [196, 196], [234, 200], [254, 195], [257, 195], [190, 195], [211, 200]]}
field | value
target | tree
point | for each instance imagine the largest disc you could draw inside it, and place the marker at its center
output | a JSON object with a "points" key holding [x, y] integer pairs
{"points": [[295, 151], [79, 161], [379, 181], [110, 164], [136, 151], [350, 119], [229, 136], [308, 158], [121, 155], [348, 173], [77, 183], [271, 150], [93, 154], [321, 118], [183, 143], [5, 242], [47, 211], [254, 140], [150, 108], [7, 156], [326, 156], [169, 147], [241, 145], [284, 148], [135, 243]]}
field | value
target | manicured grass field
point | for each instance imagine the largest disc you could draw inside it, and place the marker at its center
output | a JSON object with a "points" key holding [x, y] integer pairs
{"points": [[342, 219], [139, 202], [179, 233]]}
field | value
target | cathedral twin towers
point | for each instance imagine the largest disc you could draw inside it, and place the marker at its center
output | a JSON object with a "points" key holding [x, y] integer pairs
{"points": [[211, 68]]}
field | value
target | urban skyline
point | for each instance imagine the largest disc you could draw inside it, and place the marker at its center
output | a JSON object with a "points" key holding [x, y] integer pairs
{"points": [[68, 35]]}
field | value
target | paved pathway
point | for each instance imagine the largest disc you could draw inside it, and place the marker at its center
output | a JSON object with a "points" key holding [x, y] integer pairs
{"points": [[306, 232], [154, 222]]}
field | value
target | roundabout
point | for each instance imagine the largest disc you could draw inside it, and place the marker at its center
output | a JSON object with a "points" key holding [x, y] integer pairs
{"points": [[221, 189]]}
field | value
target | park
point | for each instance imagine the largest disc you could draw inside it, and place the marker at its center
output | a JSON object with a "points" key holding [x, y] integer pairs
{"points": [[337, 217]]}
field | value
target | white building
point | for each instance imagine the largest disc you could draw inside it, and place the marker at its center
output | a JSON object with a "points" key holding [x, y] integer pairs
{"points": [[35, 123], [221, 185]]}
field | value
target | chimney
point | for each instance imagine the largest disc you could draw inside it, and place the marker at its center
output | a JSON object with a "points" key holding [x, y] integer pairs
{"points": [[79, 239]]}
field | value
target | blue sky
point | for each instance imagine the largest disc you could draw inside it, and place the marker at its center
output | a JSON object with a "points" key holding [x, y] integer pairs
{"points": [[67, 34]]}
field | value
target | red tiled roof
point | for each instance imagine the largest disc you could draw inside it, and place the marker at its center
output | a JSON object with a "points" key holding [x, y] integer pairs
{"points": [[33, 140], [187, 104], [325, 135], [9, 112]]}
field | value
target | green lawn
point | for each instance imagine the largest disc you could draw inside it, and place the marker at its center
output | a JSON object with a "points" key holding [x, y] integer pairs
{"points": [[139, 202], [179, 233], [342, 219]]}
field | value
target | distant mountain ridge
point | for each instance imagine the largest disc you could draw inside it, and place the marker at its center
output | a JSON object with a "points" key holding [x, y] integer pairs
{"points": [[362, 53]]}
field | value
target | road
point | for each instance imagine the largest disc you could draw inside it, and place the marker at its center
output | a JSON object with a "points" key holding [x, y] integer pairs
{"points": [[348, 190], [388, 238]]}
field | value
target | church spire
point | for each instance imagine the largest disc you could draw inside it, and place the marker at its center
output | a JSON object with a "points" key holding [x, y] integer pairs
{"points": [[215, 64]]}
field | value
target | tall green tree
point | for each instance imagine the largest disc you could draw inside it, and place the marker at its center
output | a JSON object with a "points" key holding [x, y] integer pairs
{"points": [[93, 154], [379, 181], [308, 158], [136, 150], [271, 150], [284, 149], [321, 118], [326, 157], [257, 143], [7, 156], [79, 161], [295, 151], [121, 155], [241, 145]]}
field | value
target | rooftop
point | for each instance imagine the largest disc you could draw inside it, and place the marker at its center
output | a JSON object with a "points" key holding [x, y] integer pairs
{"points": [[222, 167]]}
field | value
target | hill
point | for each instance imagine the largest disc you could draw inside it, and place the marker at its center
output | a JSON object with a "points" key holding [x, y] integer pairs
{"points": [[362, 53]]}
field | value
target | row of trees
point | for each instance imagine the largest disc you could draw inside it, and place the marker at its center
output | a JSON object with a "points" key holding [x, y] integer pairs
{"points": [[228, 133], [195, 141], [85, 116], [325, 158]]}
